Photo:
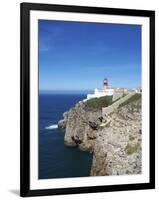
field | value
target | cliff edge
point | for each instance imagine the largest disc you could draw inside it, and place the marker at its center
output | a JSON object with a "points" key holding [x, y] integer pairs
{"points": [[110, 130]]}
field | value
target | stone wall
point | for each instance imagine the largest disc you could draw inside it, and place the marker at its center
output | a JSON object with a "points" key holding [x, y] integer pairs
{"points": [[115, 105], [117, 96]]}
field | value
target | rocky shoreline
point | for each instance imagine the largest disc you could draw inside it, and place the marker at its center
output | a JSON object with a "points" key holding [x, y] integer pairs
{"points": [[112, 134]]}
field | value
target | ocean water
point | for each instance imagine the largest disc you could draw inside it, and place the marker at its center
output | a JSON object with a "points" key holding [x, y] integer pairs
{"points": [[55, 159]]}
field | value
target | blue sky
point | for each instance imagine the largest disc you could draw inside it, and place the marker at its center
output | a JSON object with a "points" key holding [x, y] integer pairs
{"points": [[78, 55]]}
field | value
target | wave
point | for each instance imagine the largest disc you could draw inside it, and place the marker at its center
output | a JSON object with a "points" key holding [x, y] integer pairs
{"points": [[54, 126]]}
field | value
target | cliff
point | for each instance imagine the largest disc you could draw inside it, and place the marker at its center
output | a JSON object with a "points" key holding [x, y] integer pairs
{"points": [[111, 130]]}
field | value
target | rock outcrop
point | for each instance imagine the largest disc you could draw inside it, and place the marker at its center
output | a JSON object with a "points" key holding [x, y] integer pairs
{"points": [[114, 137], [62, 123], [81, 125]]}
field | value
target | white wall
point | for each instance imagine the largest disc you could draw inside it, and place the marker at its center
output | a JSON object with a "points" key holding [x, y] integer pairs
{"points": [[9, 99]]}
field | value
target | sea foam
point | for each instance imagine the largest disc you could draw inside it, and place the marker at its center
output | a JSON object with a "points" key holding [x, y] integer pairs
{"points": [[54, 126]]}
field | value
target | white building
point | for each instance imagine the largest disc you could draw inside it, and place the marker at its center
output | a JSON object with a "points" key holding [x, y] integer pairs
{"points": [[106, 91]]}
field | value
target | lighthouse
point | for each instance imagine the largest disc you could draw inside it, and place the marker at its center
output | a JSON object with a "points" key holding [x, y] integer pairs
{"points": [[105, 83], [107, 90]]}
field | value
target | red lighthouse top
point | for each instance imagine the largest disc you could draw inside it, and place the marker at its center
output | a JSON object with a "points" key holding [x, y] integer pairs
{"points": [[105, 82]]}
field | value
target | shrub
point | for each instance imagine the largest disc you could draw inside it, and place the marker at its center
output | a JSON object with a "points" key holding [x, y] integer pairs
{"points": [[135, 97], [130, 149], [99, 103], [131, 138]]}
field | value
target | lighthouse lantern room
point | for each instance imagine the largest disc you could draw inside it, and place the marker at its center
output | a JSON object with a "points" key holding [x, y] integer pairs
{"points": [[105, 83]]}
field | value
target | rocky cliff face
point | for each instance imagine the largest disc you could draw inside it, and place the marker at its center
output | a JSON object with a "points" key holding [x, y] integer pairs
{"points": [[114, 138], [81, 124]]}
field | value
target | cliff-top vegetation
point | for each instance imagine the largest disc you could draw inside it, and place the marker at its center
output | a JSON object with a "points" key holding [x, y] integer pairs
{"points": [[99, 103], [134, 98]]}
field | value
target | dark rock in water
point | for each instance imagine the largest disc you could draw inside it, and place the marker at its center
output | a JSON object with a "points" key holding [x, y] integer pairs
{"points": [[62, 124]]}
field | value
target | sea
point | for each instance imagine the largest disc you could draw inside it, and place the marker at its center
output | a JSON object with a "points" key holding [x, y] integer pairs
{"points": [[56, 160]]}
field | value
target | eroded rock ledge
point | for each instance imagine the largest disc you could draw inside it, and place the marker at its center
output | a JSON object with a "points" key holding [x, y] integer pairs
{"points": [[112, 134]]}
